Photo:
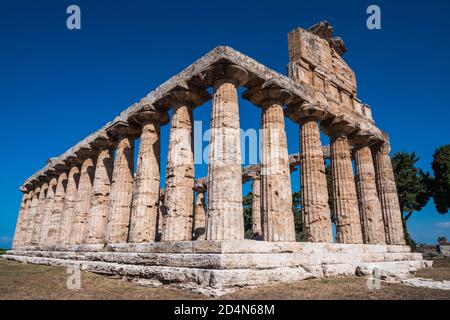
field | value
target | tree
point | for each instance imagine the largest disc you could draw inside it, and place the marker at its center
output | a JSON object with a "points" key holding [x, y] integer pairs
{"points": [[441, 182], [247, 202], [413, 186], [297, 210], [330, 191], [442, 239]]}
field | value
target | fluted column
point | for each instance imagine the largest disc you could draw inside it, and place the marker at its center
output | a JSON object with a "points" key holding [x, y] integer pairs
{"points": [[179, 197], [199, 216], [146, 186], [68, 216], [39, 214], [18, 233], [48, 211], [31, 217], [121, 188], [82, 202], [345, 201], [256, 207], [225, 212], [314, 191], [369, 203], [276, 194], [58, 207], [98, 211], [387, 192]]}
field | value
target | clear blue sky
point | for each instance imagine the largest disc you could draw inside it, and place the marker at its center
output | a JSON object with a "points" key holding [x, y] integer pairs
{"points": [[57, 86]]}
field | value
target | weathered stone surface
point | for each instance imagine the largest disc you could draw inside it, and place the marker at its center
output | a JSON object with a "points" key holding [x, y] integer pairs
{"points": [[427, 283], [369, 203], [58, 207], [82, 202], [314, 192], [68, 215], [98, 210], [18, 233], [225, 214], [47, 212], [256, 207], [276, 194], [387, 192], [34, 202], [345, 201], [199, 217], [121, 191], [179, 196], [146, 190]]}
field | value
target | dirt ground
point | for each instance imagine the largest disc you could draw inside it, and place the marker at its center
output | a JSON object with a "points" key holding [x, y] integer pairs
{"points": [[22, 281]]}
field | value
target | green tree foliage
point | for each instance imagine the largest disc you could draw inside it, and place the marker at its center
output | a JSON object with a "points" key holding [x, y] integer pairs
{"points": [[413, 186], [247, 202], [330, 191], [441, 182], [442, 239]]}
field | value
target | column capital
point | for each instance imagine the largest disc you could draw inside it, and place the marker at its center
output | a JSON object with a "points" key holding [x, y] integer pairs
{"points": [[361, 139], [103, 141], [122, 129], [268, 94], [338, 127], [150, 114], [302, 113], [189, 96], [223, 72]]}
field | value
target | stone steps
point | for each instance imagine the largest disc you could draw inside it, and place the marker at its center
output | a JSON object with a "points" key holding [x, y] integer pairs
{"points": [[224, 261]]}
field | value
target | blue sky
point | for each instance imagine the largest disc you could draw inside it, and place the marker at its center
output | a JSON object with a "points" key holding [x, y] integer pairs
{"points": [[57, 86]]}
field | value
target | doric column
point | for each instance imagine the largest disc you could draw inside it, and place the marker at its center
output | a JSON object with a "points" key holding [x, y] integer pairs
{"points": [[199, 216], [256, 207], [313, 182], [18, 233], [48, 210], [122, 184], [82, 201], [146, 186], [58, 207], [68, 216], [39, 214], [387, 192], [369, 203], [276, 193], [225, 212], [32, 216], [179, 197], [98, 211], [345, 201]]}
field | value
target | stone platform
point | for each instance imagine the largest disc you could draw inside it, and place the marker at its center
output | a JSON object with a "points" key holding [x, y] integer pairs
{"points": [[218, 267]]}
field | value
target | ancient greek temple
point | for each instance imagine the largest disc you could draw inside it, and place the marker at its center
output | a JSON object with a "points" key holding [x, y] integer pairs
{"points": [[90, 208]]}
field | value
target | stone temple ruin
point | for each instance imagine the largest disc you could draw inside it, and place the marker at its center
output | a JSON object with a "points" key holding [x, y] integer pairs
{"points": [[88, 209]]}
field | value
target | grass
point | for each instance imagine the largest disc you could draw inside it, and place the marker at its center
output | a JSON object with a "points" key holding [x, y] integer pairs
{"points": [[22, 281]]}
